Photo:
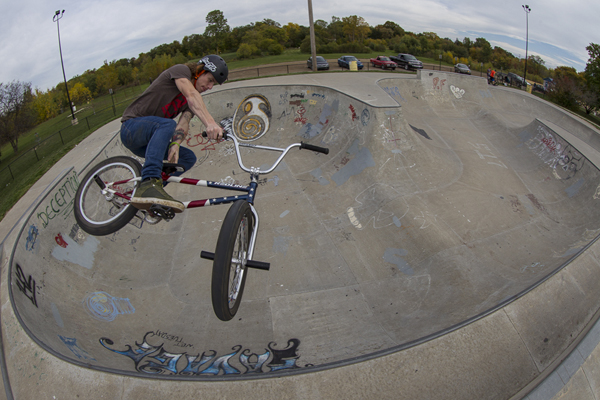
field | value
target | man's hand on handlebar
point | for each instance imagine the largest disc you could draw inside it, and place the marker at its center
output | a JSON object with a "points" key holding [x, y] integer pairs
{"points": [[214, 131]]}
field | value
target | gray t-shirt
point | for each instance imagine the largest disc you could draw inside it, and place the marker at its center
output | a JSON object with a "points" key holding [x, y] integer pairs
{"points": [[162, 98]]}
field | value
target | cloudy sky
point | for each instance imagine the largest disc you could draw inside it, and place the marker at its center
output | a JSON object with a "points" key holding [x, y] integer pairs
{"points": [[94, 31]]}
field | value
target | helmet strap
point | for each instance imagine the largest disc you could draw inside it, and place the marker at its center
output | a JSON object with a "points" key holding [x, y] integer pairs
{"points": [[197, 75]]}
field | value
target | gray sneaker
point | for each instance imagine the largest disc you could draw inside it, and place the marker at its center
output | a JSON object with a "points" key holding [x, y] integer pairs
{"points": [[151, 192]]}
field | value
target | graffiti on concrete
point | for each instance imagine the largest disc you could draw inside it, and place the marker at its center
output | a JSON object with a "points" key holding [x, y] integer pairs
{"points": [[554, 151], [104, 307], [32, 235], [75, 249], [61, 200], [26, 284], [155, 359], [252, 117], [71, 343], [457, 92]]}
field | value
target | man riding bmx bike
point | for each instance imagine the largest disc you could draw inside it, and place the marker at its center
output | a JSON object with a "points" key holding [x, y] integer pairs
{"points": [[149, 131]]}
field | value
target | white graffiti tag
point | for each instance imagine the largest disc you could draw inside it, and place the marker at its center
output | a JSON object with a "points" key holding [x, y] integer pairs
{"points": [[457, 92]]}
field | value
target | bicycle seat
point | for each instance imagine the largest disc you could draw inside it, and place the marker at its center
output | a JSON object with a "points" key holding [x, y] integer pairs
{"points": [[169, 168]]}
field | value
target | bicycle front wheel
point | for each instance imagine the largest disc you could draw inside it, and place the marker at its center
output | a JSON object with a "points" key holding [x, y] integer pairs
{"points": [[231, 254], [101, 209]]}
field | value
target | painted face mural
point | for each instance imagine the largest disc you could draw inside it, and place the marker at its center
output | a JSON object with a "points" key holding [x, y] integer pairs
{"points": [[252, 117]]}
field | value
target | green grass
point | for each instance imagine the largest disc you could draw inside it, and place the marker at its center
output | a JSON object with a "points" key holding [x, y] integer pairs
{"points": [[48, 147], [85, 113]]}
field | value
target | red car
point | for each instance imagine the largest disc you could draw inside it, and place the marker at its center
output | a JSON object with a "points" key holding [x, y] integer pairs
{"points": [[384, 62]]}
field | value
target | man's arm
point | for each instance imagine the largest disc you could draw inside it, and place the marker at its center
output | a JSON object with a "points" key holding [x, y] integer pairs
{"points": [[194, 99], [181, 131], [183, 127]]}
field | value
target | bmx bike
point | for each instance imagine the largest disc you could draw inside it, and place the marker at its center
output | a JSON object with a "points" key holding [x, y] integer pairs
{"points": [[102, 206]]}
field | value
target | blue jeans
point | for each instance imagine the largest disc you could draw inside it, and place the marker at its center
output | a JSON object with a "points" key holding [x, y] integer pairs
{"points": [[150, 137]]}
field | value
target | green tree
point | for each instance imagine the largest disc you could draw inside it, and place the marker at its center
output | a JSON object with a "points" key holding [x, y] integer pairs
{"points": [[217, 29], [398, 31], [566, 86], [381, 32], [153, 68], [125, 74], [589, 99], [80, 94], [592, 68], [17, 115], [592, 78], [247, 51], [355, 28], [89, 81], [295, 33], [44, 105], [107, 78], [335, 29], [481, 50], [195, 45], [501, 59], [407, 44]]}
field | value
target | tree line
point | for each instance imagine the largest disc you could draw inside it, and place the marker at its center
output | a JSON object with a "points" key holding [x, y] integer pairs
{"points": [[21, 106]]}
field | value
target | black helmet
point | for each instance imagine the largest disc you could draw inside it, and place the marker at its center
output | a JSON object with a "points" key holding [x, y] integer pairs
{"points": [[216, 66]]}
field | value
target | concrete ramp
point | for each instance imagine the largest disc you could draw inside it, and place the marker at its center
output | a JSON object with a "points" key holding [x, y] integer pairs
{"points": [[431, 211]]}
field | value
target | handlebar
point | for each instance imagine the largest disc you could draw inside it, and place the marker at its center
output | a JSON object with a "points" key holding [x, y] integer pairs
{"points": [[228, 135]]}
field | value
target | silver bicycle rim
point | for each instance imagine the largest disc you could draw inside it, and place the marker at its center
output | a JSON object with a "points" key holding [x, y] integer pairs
{"points": [[102, 205]]}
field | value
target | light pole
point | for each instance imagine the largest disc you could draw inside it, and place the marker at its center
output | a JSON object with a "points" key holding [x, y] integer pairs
{"points": [[313, 46], [57, 16], [527, 11]]}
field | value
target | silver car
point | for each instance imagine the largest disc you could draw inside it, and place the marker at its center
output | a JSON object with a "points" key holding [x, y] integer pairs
{"points": [[321, 63], [462, 69]]}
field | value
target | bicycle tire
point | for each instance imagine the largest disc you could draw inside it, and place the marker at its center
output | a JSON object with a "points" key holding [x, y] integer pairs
{"points": [[94, 212], [229, 269]]}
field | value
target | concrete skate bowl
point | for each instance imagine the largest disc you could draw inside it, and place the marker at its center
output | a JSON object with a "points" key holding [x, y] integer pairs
{"points": [[423, 218]]}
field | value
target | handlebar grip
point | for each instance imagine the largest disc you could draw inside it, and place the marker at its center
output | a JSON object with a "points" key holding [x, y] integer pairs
{"points": [[224, 134], [307, 146]]}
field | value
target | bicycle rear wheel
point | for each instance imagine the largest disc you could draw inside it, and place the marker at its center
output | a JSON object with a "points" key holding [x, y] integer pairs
{"points": [[231, 254], [100, 213]]}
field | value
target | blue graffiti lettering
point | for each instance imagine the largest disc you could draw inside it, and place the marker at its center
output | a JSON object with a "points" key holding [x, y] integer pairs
{"points": [[152, 359]]}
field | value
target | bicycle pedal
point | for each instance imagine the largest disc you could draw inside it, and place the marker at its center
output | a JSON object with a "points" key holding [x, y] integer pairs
{"points": [[163, 212], [151, 218]]}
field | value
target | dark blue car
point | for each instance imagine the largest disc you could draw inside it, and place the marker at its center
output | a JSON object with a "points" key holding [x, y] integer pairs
{"points": [[344, 62]]}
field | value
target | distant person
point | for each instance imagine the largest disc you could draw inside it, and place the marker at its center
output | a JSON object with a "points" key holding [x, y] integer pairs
{"points": [[492, 77], [149, 131]]}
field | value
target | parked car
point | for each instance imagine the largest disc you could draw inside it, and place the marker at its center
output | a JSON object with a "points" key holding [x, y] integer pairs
{"points": [[462, 69], [515, 79], [408, 61], [384, 62], [538, 88], [321, 63], [344, 62]]}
